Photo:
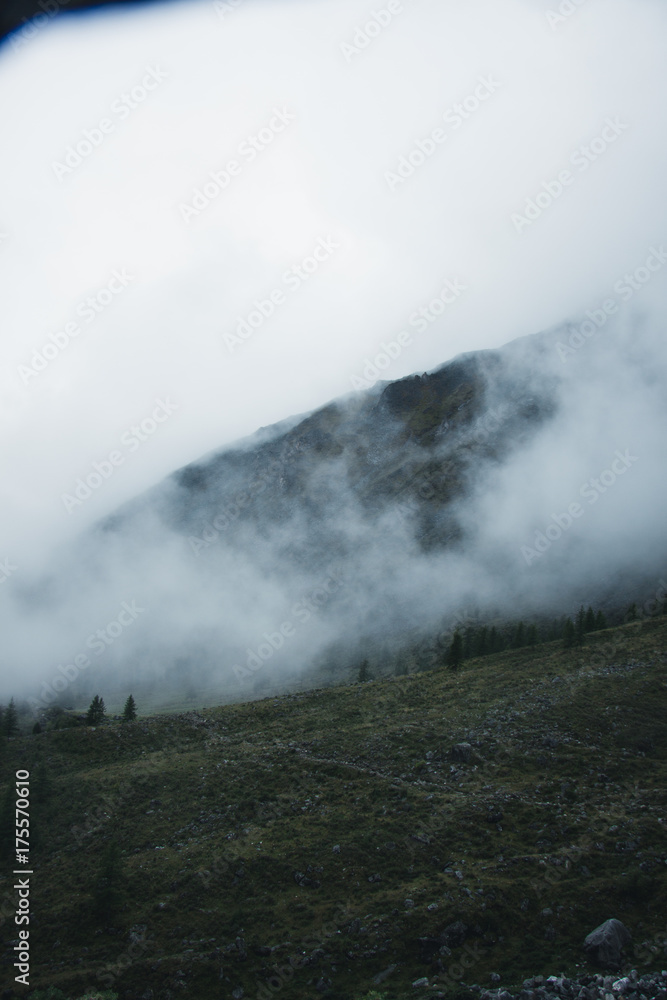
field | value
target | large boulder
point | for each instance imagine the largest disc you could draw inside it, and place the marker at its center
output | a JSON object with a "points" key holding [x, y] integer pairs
{"points": [[604, 945]]}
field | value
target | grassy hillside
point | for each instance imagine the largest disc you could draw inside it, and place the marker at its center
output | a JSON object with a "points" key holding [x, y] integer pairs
{"points": [[320, 844]]}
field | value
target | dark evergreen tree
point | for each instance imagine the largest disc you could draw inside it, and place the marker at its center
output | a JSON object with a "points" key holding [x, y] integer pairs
{"points": [[589, 624], [130, 710], [7, 822], [37, 728], [569, 635], [531, 635], [455, 655], [96, 711], [364, 672], [493, 640], [10, 722], [580, 625], [600, 621], [519, 637], [482, 645]]}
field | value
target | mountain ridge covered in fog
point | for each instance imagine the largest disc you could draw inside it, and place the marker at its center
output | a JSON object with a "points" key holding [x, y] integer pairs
{"points": [[368, 525]]}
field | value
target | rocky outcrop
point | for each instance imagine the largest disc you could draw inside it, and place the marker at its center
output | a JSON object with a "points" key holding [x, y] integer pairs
{"points": [[605, 944]]}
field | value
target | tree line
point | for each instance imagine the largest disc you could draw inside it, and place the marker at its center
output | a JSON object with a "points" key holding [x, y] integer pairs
{"points": [[482, 641]]}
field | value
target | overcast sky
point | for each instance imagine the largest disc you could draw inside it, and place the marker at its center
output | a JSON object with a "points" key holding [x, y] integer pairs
{"points": [[334, 111]]}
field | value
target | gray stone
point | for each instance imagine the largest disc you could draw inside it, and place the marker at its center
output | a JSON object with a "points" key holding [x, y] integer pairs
{"points": [[605, 943], [462, 752]]}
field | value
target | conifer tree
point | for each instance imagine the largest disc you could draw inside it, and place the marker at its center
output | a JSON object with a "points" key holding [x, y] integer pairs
{"points": [[531, 635], [482, 642], [600, 621], [493, 640], [589, 624], [7, 822], [580, 625], [519, 638], [96, 711], [568, 634], [455, 655], [364, 672], [130, 710], [10, 722]]}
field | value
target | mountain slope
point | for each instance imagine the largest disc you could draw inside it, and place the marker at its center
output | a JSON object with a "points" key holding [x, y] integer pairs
{"points": [[316, 844]]}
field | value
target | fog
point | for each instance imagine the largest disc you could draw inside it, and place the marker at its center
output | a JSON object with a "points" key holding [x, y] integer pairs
{"points": [[512, 156]]}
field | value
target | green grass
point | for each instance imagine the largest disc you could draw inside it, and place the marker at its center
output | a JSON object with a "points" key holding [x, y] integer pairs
{"points": [[215, 811]]}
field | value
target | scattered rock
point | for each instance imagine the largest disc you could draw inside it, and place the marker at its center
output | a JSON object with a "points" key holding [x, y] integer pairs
{"points": [[461, 752], [604, 945], [455, 934]]}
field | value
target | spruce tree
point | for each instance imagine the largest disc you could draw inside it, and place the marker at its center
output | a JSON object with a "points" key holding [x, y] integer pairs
{"points": [[589, 624], [493, 640], [580, 625], [519, 638], [482, 642], [10, 722], [455, 655], [364, 672], [130, 710], [96, 711], [568, 634], [531, 635], [7, 822], [600, 621]]}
